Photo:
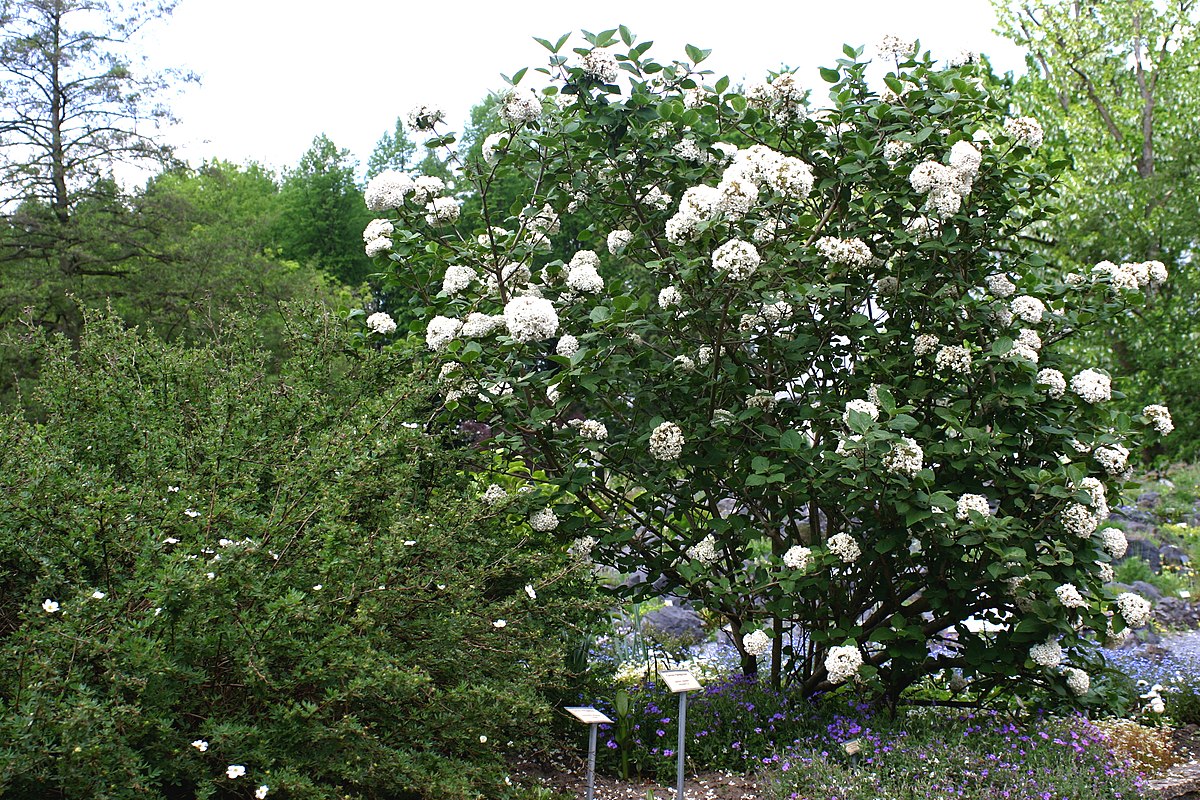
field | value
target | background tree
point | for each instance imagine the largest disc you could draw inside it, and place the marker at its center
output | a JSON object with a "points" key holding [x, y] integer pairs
{"points": [[75, 106], [322, 214], [394, 150], [1114, 82]]}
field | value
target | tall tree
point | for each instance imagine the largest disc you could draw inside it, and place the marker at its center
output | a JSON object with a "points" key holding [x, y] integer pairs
{"points": [[1114, 83], [76, 102], [394, 150], [323, 213]]}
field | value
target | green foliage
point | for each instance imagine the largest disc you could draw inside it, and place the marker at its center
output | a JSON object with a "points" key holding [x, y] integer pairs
{"points": [[322, 215], [1133, 569], [290, 566], [738, 431], [1113, 82]]}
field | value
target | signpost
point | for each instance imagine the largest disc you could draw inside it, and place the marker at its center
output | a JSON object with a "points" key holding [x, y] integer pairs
{"points": [[592, 718], [680, 681]]}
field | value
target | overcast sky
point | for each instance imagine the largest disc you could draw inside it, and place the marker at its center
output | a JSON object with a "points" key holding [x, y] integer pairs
{"points": [[275, 73]]}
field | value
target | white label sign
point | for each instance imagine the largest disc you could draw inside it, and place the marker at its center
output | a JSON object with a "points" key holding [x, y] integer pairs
{"points": [[588, 715], [680, 680]]}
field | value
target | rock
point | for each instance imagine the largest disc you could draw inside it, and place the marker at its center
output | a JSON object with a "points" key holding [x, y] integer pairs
{"points": [[1170, 554], [1147, 590], [1148, 501], [1132, 519], [683, 624], [1176, 612], [1145, 550]]}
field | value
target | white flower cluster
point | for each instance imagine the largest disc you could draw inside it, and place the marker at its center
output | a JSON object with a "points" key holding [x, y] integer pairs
{"points": [[618, 240], [494, 495], [954, 358], [1160, 418], [797, 557], [1028, 308], [666, 442], [905, 458], [427, 187], [1078, 682], [1069, 596], [1000, 286], [972, 502], [543, 520], [457, 279], [842, 663], [1026, 346], [668, 297], [1092, 386], [961, 57], [738, 190], [583, 273], [381, 323], [1025, 131], [1114, 542], [567, 345], [425, 117], [1046, 654], [493, 144], [377, 236], [844, 547], [736, 258], [762, 400], [1098, 494], [1134, 609], [479, 325], [442, 211], [892, 46], [849, 252], [756, 644], [387, 190], [592, 430], [530, 319], [895, 150], [440, 332], [542, 225], [782, 98], [704, 551], [1153, 696], [925, 344], [601, 65], [519, 108], [862, 407], [1080, 520], [1053, 380], [1114, 458], [947, 185]]}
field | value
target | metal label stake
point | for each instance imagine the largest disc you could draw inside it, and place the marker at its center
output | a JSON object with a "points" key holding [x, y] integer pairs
{"points": [[680, 681], [593, 719]]}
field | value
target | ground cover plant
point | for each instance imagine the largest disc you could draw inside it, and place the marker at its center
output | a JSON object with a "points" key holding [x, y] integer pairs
{"points": [[844, 418], [224, 577]]}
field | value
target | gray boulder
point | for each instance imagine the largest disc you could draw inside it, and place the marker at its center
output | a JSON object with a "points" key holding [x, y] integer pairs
{"points": [[1170, 554], [675, 622], [1145, 550], [1147, 591]]}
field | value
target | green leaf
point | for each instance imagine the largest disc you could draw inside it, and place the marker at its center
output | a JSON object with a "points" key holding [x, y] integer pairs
{"points": [[830, 75], [722, 84], [626, 36], [696, 54], [516, 78]]}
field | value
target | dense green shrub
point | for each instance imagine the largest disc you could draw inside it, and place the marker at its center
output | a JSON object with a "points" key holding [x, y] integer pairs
{"points": [[288, 569]]}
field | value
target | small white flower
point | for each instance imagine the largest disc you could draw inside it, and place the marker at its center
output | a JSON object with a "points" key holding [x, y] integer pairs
{"points": [[318, 587], [98, 595], [235, 771], [483, 739], [261, 791], [200, 745], [529, 590], [191, 512], [49, 606], [500, 623]]}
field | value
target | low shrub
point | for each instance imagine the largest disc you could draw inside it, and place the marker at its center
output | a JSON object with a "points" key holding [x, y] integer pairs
{"points": [[215, 580]]}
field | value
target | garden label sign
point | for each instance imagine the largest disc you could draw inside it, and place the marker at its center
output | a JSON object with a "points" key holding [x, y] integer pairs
{"points": [[680, 681], [592, 718]]}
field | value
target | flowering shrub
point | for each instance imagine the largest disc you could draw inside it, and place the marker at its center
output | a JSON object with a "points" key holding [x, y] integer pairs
{"points": [[219, 583], [846, 348]]}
